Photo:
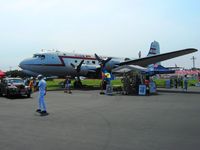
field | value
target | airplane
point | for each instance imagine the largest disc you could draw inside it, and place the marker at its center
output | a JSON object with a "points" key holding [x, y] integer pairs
{"points": [[71, 64]]}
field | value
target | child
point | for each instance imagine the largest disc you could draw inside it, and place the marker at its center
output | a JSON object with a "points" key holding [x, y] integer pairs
{"points": [[67, 83]]}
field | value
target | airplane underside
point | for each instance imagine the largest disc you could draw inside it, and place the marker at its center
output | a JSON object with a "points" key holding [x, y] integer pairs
{"points": [[59, 71]]}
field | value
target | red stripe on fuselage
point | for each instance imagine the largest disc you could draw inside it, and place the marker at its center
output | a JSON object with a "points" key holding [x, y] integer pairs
{"points": [[76, 57], [62, 61]]}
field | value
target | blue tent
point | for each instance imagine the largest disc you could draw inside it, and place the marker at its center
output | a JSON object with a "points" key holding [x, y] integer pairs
{"points": [[158, 69]]}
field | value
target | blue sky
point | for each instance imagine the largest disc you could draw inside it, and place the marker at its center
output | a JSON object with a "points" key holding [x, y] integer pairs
{"points": [[118, 28]]}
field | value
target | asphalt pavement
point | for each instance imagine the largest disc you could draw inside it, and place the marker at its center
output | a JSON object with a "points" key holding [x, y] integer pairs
{"points": [[86, 120]]}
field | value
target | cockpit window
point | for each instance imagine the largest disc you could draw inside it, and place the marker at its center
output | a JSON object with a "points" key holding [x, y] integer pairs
{"points": [[39, 56]]}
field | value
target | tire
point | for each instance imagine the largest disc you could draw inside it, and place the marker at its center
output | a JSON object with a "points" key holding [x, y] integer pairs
{"points": [[28, 95], [0, 93], [8, 94]]}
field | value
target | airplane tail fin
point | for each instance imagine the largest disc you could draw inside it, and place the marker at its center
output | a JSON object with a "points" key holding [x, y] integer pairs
{"points": [[154, 50]]}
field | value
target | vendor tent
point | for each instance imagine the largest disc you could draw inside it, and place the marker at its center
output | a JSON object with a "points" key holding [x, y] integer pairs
{"points": [[158, 69]]}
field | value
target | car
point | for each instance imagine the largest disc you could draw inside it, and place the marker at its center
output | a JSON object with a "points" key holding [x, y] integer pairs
{"points": [[10, 87]]}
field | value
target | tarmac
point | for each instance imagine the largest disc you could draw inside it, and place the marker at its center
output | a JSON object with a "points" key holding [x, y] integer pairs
{"points": [[86, 120]]}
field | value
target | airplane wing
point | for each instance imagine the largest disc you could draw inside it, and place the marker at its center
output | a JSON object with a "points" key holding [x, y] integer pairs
{"points": [[157, 58]]}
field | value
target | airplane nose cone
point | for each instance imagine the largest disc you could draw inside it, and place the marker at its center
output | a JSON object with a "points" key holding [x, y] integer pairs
{"points": [[24, 64], [21, 64]]}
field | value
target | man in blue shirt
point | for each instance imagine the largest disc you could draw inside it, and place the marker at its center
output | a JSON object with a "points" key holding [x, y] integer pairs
{"points": [[42, 92]]}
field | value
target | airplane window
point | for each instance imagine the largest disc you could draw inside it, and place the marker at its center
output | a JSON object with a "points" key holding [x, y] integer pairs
{"points": [[75, 61], [93, 62], [35, 56], [39, 56], [42, 57]]}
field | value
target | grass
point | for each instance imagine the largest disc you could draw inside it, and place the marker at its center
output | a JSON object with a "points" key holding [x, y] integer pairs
{"points": [[162, 82], [91, 82], [54, 84], [58, 83]]}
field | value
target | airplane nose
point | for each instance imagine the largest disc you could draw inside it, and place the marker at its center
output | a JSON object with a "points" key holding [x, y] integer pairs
{"points": [[24, 64], [21, 64]]}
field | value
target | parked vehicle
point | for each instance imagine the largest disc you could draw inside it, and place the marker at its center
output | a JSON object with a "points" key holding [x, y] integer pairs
{"points": [[14, 86]]}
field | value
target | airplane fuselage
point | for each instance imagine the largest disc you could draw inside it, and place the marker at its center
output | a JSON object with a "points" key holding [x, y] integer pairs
{"points": [[63, 64], [59, 64]]}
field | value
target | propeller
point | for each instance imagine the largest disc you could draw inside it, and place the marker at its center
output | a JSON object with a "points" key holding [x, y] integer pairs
{"points": [[102, 62], [77, 68], [77, 83]]}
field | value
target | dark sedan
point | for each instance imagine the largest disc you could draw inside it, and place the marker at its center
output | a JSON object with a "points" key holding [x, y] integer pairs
{"points": [[14, 86]]}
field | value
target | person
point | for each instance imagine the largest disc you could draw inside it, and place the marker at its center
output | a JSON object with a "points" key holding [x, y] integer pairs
{"points": [[137, 84], [34, 85], [31, 85], [67, 83], [26, 81], [185, 83], [42, 92], [147, 85], [176, 83], [179, 82]]}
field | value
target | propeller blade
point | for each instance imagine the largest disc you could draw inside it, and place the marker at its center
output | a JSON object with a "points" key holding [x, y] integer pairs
{"points": [[107, 60], [102, 62], [79, 66], [81, 63], [98, 58], [73, 65]]}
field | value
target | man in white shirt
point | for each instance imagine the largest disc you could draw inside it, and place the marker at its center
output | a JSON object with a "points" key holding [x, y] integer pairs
{"points": [[42, 92]]}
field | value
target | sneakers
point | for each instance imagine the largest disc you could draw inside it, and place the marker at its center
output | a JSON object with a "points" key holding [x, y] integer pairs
{"points": [[38, 110], [43, 113]]}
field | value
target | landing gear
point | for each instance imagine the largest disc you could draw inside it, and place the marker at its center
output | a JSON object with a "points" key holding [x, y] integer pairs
{"points": [[78, 84]]}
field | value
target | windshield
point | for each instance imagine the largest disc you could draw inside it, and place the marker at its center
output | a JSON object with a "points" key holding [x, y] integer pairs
{"points": [[17, 81], [39, 56]]}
